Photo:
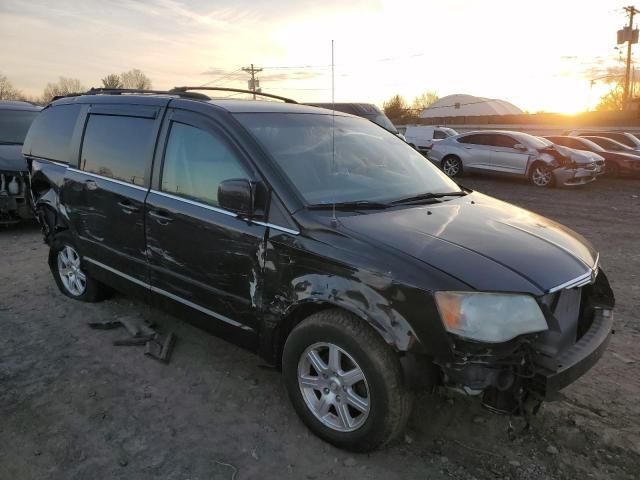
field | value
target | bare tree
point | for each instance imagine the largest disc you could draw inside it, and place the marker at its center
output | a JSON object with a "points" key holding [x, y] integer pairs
{"points": [[7, 90], [424, 100], [112, 81], [135, 79], [64, 86], [613, 99]]}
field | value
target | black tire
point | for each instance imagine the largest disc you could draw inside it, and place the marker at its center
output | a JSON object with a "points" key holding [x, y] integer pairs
{"points": [[94, 291], [389, 399], [452, 166], [612, 169], [540, 170]]}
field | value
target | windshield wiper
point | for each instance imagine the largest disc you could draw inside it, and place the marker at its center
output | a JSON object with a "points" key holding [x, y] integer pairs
{"points": [[429, 196], [356, 205], [10, 143]]}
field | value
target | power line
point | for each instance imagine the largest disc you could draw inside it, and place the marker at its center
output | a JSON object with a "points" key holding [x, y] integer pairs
{"points": [[221, 78]]}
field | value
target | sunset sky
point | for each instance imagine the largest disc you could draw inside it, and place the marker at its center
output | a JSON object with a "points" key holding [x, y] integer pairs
{"points": [[539, 55]]}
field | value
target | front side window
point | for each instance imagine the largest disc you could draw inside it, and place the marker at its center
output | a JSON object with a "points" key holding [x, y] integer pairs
{"points": [[439, 135], [343, 159], [14, 125], [118, 147], [196, 162], [504, 141]]}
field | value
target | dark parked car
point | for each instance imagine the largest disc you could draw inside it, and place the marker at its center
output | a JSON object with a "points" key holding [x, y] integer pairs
{"points": [[617, 162], [365, 110], [15, 118], [322, 242], [626, 138]]}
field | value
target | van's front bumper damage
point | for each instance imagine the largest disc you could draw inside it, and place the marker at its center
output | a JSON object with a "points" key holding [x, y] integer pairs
{"points": [[537, 366], [554, 373]]}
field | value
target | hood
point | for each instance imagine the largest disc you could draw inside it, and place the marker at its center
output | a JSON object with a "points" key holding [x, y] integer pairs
{"points": [[579, 156], [624, 156], [485, 243], [11, 158]]}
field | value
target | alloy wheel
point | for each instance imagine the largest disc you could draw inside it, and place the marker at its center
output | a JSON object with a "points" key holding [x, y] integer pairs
{"points": [[73, 278], [541, 176], [451, 167], [334, 387]]}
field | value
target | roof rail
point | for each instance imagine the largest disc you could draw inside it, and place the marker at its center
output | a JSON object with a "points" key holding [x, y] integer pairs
{"points": [[120, 91], [237, 90]]}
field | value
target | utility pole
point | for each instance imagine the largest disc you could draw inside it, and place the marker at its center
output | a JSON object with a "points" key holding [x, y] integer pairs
{"points": [[252, 83], [631, 11]]}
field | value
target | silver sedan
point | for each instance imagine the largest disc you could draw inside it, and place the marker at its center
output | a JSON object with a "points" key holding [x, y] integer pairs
{"points": [[515, 153]]}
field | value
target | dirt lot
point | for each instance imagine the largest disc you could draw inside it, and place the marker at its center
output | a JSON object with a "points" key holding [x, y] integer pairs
{"points": [[72, 406]]}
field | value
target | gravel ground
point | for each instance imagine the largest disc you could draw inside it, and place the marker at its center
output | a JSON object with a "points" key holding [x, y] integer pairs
{"points": [[72, 406]]}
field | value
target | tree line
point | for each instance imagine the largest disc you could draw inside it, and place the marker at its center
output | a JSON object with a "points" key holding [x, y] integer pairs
{"points": [[134, 78]]}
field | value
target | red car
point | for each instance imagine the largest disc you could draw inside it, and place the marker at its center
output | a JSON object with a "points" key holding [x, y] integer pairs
{"points": [[618, 161]]}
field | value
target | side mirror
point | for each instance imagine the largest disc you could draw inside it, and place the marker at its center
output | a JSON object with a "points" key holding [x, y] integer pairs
{"points": [[236, 195], [521, 147]]}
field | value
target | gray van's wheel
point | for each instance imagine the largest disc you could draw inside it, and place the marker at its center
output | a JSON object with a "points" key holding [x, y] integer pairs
{"points": [[66, 266], [452, 166], [345, 382], [541, 175]]}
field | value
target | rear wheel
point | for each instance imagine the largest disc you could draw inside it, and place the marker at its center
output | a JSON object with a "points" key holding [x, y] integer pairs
{"points": [[452, 166], [541, 175], [345, 382], [71, 278]]}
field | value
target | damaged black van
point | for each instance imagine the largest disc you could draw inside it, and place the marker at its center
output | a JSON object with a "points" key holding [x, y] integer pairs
{"points": [[322, 242]]}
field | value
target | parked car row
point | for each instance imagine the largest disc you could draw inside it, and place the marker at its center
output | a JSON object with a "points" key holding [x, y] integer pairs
{"points": [[327, 245], [546, 162], [15, 119]]}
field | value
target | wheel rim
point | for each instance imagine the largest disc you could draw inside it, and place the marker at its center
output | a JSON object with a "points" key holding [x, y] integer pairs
{"points": [[451, 167], [73, 278], [541, 176], [334, 387]]}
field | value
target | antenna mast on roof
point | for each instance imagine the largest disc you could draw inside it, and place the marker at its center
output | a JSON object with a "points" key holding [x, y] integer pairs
{"points": [[334, 220]]}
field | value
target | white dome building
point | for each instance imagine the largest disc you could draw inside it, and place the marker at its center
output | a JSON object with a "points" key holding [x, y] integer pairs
{"points": [[469, 106]]}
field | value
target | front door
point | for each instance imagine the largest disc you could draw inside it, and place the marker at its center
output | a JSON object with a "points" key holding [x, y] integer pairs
{"points": [[505, 157], [199, 254]]}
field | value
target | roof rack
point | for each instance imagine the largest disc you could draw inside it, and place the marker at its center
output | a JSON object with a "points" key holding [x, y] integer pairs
{"points": [[237, 90], [120, 91]]}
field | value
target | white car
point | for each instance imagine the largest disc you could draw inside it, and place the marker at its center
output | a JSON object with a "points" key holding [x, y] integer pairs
{"points": [[422, 137], [517, 154]]}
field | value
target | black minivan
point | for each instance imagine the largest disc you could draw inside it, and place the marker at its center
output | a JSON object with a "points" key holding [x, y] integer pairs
{"points": [[322, 242]]}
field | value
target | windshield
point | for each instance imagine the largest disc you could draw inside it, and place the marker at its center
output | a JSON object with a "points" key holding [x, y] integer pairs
{"points": [[369, 165], [14, 125], [383, 121]]}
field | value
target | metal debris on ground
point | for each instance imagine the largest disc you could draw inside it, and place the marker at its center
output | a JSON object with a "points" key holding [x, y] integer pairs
{"points": [[143, 333]]}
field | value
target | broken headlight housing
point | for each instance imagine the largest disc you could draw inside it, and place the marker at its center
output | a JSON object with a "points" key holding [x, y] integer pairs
{"points": [[489, 317]]}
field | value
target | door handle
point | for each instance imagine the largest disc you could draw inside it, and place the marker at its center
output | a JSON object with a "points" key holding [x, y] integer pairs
{"points": [[127, 207], [91, 184], [468, 148], [160, 216]]}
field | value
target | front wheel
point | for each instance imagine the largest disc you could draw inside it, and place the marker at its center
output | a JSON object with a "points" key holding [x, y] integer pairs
{"points": [[345, 382], [541, 175]]}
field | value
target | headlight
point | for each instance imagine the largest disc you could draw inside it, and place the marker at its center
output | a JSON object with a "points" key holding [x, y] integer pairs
{"points": [[489, 317]]}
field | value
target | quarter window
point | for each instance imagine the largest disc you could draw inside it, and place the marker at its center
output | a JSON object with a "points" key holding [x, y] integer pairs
{"points": [[118, 147], [51, 133], [196, 162]]}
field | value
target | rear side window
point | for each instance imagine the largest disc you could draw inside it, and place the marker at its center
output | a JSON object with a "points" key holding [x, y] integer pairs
{"points": [[51, 133], [117, 147], [196, 162]]}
